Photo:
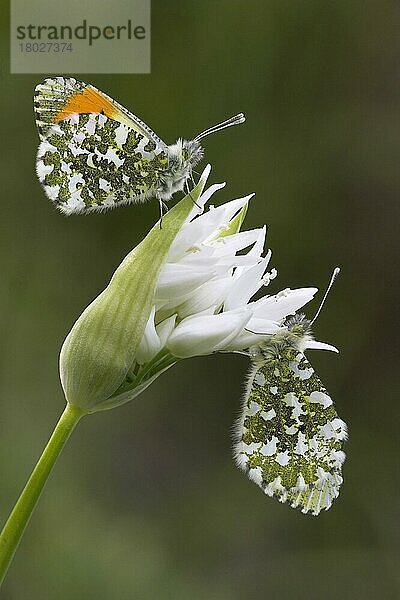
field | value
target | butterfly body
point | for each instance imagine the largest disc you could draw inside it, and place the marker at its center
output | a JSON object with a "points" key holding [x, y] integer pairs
{"points": [[183, 156], [289, 438], [94, 154]]}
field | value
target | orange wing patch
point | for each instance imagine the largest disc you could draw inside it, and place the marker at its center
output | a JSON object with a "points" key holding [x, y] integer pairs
{"points": [[88, 100]]}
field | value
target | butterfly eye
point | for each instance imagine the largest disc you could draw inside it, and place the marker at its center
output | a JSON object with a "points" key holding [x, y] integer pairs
{"points": [[173, 162]]}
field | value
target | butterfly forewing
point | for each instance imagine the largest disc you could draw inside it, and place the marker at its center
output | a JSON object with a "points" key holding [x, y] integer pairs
{"points": [[289, 437], [90, 162], [59, 97]]}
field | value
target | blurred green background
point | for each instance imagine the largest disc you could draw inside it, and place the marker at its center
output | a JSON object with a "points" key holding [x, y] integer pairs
{"points": [[146, 502]]}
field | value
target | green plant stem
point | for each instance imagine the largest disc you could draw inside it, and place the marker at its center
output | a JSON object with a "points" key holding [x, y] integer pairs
{"points": [[19, 517]]}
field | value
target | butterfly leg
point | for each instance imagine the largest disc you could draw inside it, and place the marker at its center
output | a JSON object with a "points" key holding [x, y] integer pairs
{"points": [[161, 205], [163, 208], [243, 353], [190, 194], [256, 332]]}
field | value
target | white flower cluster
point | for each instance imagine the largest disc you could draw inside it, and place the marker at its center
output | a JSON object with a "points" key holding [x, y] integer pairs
{"points": [[203, 300]]}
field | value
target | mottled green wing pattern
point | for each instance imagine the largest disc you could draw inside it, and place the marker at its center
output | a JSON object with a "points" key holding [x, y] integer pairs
{"points": [[50, 98], [289, 437], [90, 162]]}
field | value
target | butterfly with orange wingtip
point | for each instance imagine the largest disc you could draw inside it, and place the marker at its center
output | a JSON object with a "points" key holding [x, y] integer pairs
{"points": [[94, 154]]}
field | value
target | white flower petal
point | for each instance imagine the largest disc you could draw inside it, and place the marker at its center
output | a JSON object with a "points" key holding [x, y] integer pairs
{"points": [[198, 207], [204, 198], [262, 326], [258, 247], [255, 252], [314, 345], [216, 220], [191, 233], [211, 293], [238, 241], [236, 331], [165, 328], [246, 285], [206, 256], [176, 280], [206, 226], [199, 335], [256, 332], [229, 262], [150, 344], [282, 304]]}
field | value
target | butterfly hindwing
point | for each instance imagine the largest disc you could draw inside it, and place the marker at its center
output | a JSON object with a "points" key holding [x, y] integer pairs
{"points": [[289, 437], [89, 162]]}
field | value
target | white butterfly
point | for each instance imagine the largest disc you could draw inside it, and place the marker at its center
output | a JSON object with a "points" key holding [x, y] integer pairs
{"points": [[289, 438], [94, 154]]}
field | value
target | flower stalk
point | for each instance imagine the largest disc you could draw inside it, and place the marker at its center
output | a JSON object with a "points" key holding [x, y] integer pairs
{"points": [[23, 509]]}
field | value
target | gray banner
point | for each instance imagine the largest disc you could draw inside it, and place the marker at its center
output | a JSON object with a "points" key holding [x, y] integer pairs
{"points": [[80, 36]]}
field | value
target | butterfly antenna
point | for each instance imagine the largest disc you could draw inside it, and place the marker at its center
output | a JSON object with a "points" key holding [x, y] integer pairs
{"points": [[335, 273], [236, 120]]}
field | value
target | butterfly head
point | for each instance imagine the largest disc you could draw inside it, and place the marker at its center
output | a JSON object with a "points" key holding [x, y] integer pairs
{"points": [[298, 326], [292, 338], [296, 333], [192, 153], [182, 158], [184, 154]]}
